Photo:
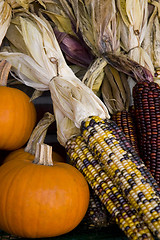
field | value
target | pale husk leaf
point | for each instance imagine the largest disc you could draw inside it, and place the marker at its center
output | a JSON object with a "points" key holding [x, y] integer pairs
{"points": [[66, 128], [128, 39], [5, 18], [144, 23], [77, 101], [25, 3], [140, 55], [118, 96], [151, 42], [156, 42], [60, 6], [83, 16], [63, 23], [119, 84], [107, 95], [121, 4], [27, 70], [104, 18], [93, 77], [128, 93], [15, 37], [134, 13], [56, 13], [133, 22], [147, 43], [133, 27]]}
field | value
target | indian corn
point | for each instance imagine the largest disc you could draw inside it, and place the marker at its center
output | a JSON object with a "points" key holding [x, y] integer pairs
{"points": [[126, 145], [147, 114], [124, 120], [123, 172], [117, 205], [97, 215]]}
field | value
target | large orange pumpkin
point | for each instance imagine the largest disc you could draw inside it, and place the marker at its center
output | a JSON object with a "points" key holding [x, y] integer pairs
{"points": [[41, 201]]}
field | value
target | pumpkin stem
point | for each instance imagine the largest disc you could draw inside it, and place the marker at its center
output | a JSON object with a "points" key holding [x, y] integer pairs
{"points": [[39, 133], [4, 72], [43, 155]]}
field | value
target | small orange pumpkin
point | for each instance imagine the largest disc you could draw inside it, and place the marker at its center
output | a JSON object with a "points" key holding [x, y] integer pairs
{"points": [[39, 201], [17, 114]]}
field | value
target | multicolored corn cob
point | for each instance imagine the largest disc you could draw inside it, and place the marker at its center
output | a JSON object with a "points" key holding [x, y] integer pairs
{"points": [[125, 122], [97, 215], [110, 125], [147, 115], [122, 172], [117, 204]]}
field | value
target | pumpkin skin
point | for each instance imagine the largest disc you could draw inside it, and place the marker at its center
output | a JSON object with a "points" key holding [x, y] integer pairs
{"points": [[17, 118], [39, 201]]}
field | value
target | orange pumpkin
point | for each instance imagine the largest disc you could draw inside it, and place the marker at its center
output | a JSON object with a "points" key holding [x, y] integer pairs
{"points": [[39, 201], [17, 118], [17, 113]]}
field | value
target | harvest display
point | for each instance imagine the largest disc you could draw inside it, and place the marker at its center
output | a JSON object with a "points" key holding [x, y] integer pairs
{"points": [[99, 61]]}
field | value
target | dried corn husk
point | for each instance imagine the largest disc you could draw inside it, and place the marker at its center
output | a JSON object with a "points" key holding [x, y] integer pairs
{"points": [[151, 42], [133, 16], [23, 3], [95, 21], [128, 66], [115, 90], [156, 42], [5, 18], [155, 34], [133, 24], [56, 13], [6, 8], [45, 68], [147, 43], [94, 76], [72, 45], [140, 56]]}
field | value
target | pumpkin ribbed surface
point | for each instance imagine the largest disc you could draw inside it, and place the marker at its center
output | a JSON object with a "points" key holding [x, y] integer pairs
{"points": [[41, 201], [17, 118]]}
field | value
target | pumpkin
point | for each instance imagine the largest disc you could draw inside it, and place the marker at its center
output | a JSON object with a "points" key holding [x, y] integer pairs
{"points": [[17, 114], [39, 201]]}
